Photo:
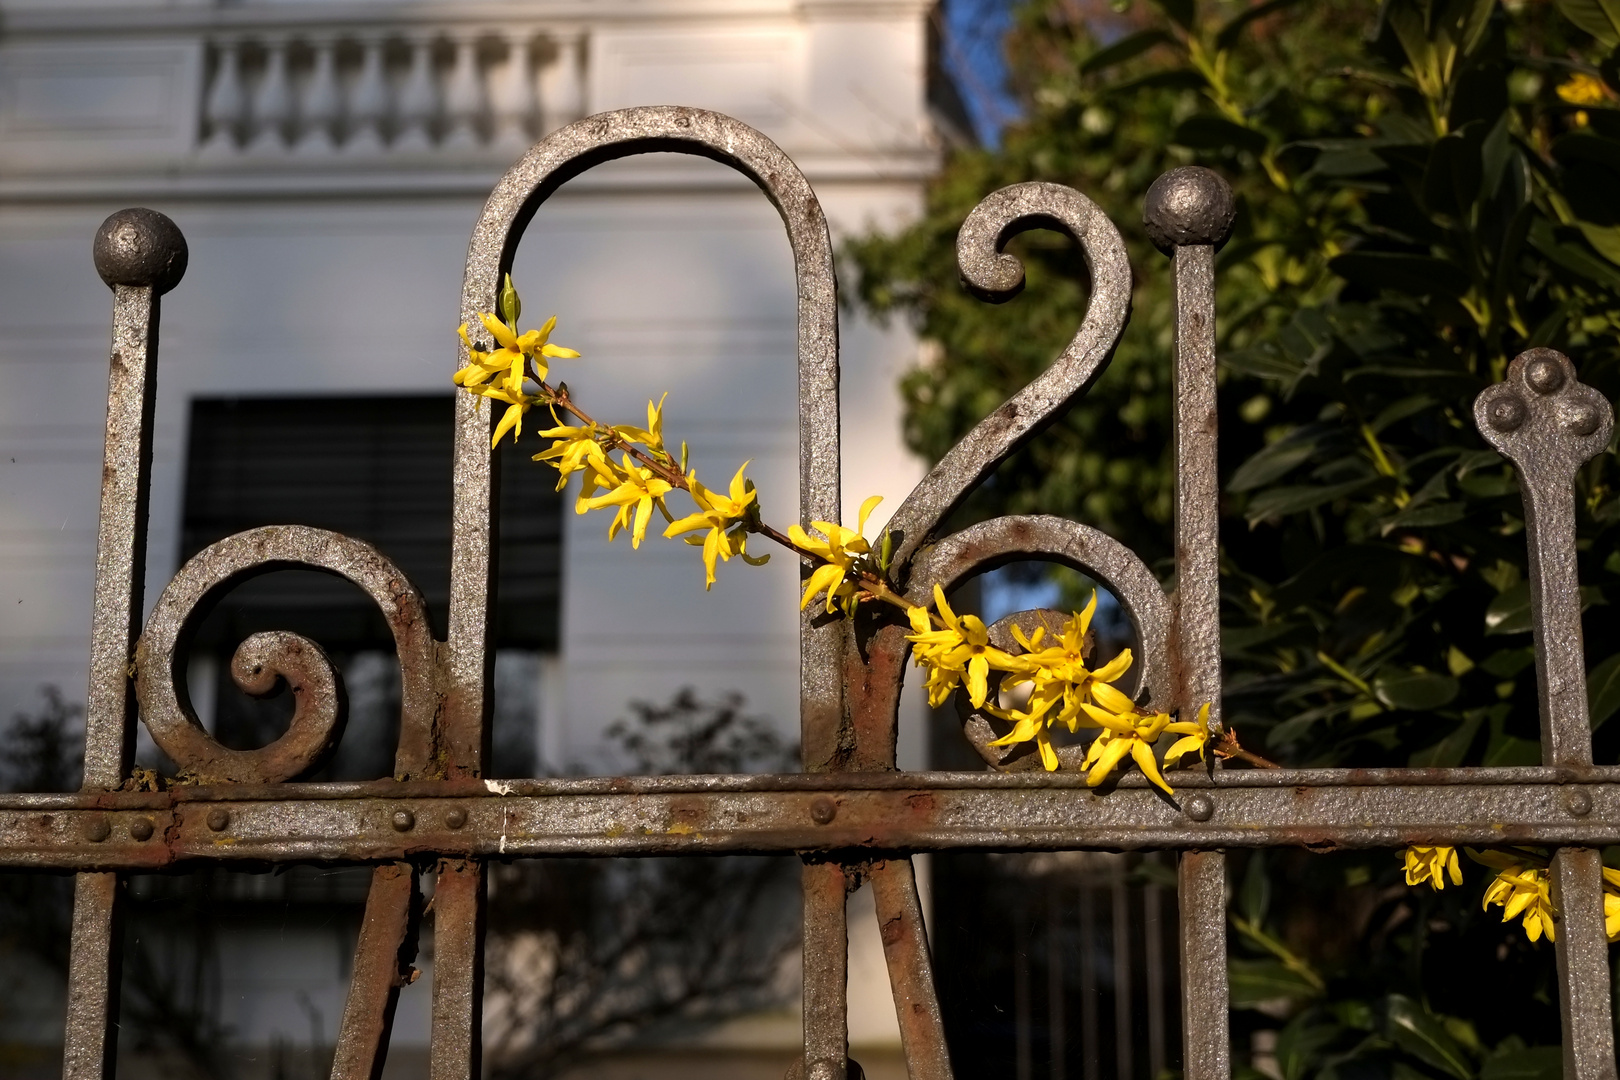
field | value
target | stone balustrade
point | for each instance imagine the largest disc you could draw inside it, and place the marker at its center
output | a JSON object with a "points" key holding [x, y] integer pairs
{"points": [[391, 89]]}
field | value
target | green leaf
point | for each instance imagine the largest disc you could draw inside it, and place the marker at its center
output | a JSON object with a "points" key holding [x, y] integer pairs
{"points": [[1415, 691], [1227, 36], [1530, 1063], [1204, 132], [1605, 238], [1450, 751], [1279, 502], [1597, 17], [1509, 612], [1421, 517], [1277, 460], [1603, 690], [1126, 48], [1301, 1042], [1261, 982], [1421, 1034], [1418, 275], [1545, 239]]}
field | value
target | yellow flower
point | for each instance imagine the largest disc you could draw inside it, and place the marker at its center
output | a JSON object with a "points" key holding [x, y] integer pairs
{"points": [[512, 357], [962, 650], [1125, 731], [1030, 722], [1194, 736], [724, 518], [1432, 864], [838, 551], [517, 404], [574, 449], [637, 491], [1582, 89], [1064, 663], [651, 436], [1523, 890]]}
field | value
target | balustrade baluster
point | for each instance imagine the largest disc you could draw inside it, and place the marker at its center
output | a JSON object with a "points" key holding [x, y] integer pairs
{"points": [[318, 110], [512, 100], [368, 101], [223, 109], [272, 102], [419, 99], [562, 96], [464, 96]]}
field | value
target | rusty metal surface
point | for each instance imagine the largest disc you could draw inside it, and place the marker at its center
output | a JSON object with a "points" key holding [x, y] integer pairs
{"points": [[1188, 213], [90, 1038], [383, 956], [905, 950], [851, 816], [851, 812], [1206, 1050], [317, 690], [456, 1049], [1548, 424]]}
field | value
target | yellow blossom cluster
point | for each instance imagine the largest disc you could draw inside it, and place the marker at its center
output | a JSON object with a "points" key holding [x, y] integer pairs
{"points": [[1057, 689], [1040, 687], [1522, 886]]}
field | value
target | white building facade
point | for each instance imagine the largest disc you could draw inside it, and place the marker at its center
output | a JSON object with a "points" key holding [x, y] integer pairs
{"points": [[326, 160]]}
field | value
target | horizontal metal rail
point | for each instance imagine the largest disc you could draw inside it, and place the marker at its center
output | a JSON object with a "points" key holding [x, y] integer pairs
{"points": [[883, 812]]}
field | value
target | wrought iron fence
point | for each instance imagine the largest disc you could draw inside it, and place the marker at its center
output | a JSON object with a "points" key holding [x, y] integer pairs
{"points": [[850, 816]]}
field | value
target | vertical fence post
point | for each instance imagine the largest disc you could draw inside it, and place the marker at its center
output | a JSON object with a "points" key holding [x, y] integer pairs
{"points": [[141, 255], [1188, 213], [1548, 425]]}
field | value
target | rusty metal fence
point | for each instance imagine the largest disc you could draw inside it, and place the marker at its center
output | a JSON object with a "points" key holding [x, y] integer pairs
{"points": [[850, 816]]}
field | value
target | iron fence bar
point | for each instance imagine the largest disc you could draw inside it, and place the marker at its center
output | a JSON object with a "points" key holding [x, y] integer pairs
{"points": [[1205, 994], [1056, 1000], [826, 971], [382, 964], [140, 255], [1549, 424], [911, 969], [455, 1049], [1188, 213], [149, 831]]}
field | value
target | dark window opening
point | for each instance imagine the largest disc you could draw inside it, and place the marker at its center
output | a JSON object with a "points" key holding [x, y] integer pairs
{"points": [[378, 469]]}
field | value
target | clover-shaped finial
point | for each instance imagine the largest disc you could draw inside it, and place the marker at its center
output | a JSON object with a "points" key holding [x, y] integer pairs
{"points": [[1541, 418]]}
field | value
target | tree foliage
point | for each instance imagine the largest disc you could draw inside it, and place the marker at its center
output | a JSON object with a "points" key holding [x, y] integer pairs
{"points": [[1425, 189]]}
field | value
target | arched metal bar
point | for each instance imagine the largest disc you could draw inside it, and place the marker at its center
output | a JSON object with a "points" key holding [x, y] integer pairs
{"points": [[160, 683], [519, 194]]}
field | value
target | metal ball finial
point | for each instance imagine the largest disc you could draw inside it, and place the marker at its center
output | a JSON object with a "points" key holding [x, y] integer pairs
{"points": [[140, 247], [1189, 205]]}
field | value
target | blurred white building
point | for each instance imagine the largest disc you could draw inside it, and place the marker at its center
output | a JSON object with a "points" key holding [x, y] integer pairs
{"points": [[326, 160]]}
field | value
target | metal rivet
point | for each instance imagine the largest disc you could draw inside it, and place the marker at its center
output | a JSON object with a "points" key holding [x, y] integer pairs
{"points": [[1544, 375], [1200, 808], [218, 818], [1580, 419], [140, 829], [456, 818], [96, 829], [1506, 413], [1578, 802], [823, 810], [404, 821]]}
